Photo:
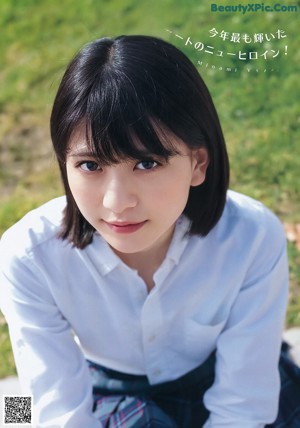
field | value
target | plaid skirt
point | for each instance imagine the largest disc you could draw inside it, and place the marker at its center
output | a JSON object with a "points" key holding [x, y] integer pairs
{"points": [[129, 401]]}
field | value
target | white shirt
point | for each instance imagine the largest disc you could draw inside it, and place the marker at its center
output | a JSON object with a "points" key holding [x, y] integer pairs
{"points": [[227, 291]]}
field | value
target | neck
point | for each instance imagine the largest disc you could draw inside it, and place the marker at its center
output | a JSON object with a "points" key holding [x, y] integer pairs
{"points": [[148, 261]]}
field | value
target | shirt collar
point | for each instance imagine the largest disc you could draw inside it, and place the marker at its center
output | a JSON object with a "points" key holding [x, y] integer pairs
{"points": [[106, 260], [179, 240], [102, 255]]}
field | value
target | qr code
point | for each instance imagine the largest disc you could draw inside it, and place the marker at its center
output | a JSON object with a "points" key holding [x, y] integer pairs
{"points": [[17, 410]]}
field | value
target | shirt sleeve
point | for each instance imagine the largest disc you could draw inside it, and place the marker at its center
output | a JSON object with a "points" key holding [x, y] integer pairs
{"points": [[247, 383], [50, 365]]}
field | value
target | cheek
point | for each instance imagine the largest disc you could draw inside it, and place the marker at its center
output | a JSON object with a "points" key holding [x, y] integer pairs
{"points": [[173, 193], [82, 191], [74, 185]]}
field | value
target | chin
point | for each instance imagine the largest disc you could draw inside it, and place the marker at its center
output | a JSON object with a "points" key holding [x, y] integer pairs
{"points": [[126, 247]]}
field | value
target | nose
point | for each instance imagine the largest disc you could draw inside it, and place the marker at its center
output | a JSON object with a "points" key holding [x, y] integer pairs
{"points": [[119, 195]]}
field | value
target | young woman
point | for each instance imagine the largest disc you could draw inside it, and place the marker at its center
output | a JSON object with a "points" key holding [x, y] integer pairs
{"points": [[150, 295]]}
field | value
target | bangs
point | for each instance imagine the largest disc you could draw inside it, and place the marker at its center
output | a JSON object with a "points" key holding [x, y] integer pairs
{"points": [[119, 127], [119, 140]]}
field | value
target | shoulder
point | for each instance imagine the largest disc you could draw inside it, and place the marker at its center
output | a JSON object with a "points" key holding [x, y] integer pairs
{"points": [[250, 220], [35, 228], [250, 212]]}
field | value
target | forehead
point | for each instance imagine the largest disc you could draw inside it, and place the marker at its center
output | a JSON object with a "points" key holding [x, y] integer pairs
{"points": [[78, 141]]}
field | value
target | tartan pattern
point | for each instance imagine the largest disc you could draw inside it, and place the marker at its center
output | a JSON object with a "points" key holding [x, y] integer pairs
{"points": [[183, 407], [117, 411]]}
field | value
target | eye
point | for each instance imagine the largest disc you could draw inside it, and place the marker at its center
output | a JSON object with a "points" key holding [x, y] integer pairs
{"points": [[147, 164], [89, 166]]}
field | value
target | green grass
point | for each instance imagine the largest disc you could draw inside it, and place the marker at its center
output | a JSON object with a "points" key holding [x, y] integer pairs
{"points": [[259, 110], [7, 367]]}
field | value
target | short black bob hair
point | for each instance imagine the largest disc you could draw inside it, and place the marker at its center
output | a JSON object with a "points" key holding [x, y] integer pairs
{"points": [[133, 88]]}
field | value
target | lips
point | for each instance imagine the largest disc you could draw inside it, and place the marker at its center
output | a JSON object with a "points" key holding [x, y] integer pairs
{"points": [[125, 227]]}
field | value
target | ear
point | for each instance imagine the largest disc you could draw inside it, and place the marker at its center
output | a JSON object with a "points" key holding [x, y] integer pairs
{"points": [[200, 161]]}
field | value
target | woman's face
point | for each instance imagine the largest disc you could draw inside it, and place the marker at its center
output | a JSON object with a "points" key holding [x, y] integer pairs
{"points": [[134, 204]]}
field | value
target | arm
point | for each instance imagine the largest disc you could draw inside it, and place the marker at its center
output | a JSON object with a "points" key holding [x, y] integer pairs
{"points": [[246, 389], [50, 365]]}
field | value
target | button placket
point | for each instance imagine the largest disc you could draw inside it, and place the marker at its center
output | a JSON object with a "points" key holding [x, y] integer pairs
{"points": [[152, 323]]}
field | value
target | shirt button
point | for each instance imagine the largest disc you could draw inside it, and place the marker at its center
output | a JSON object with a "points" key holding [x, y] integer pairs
{"points": [[151, 338]]}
